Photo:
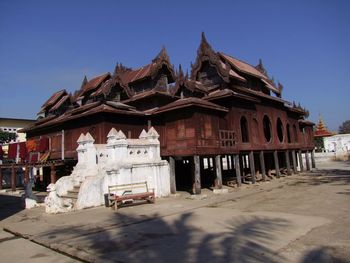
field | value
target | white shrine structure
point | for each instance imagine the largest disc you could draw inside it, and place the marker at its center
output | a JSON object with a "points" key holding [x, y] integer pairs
{"points": [[120, 161]]}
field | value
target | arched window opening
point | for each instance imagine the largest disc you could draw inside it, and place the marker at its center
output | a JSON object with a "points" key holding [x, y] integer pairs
{"points": [[244, 130], [280, 130], [288, 134], [267, 128], [295, 133]]}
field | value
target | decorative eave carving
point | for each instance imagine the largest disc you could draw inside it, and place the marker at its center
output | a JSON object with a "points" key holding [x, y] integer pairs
{"points": [[162, 59], [183, 80], [116, 81], [206, 53]]}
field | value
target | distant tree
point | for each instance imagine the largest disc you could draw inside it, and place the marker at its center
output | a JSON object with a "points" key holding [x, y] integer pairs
{"points": [[6, 137], [345, 127]]}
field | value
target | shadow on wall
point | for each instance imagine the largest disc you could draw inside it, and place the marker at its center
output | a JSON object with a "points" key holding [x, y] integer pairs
{"points": [[10, 205], [152, 239]]}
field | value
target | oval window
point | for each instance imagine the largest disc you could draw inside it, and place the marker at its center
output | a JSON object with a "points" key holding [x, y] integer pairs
{"points": [[288, 134], [267, 128], [280, 130]]}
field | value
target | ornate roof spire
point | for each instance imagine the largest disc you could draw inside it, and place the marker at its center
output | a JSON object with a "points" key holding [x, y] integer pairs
{"points": [[162, 56], [260, 67], [180, 73], [85, 80]]}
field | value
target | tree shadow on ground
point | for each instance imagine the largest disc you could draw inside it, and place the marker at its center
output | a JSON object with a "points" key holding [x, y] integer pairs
{"points": [[331, 176], [176, 238], [324, 255], [10, 205]]}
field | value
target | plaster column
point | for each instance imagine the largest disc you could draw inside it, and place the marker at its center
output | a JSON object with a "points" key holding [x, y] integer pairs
{"points": [[262, 165], [218, 180], [294, 162], [197, 175], [301, 165], [307, 159], [172, 175], [252, 166], [277, 167], [289, 171], [313, 163], [238, 170]]}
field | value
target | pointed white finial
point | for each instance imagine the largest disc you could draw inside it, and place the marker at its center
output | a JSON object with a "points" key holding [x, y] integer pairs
{"points": [[89, 138], [121, 135], [81, 138], [112, 133], [143, 134], [152, 133]]}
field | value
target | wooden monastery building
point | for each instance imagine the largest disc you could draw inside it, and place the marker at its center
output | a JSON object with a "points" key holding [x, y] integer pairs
{"points": [[223, 123]]}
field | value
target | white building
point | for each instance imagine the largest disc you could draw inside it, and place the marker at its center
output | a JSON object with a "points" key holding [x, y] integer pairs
{"points": [[337, 143]]}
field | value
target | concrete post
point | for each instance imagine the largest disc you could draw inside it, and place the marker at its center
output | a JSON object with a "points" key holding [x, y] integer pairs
{"points": [[262, 165], [252, 166], [307, 159], [294, 162], [218, 181], [172, 175], [197, 175], [313, 163], [238, 170], [289, 171], [277, 167], [301, 165]]}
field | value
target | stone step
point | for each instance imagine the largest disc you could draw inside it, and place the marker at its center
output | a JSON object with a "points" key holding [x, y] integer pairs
{"points": [[70, 196]]}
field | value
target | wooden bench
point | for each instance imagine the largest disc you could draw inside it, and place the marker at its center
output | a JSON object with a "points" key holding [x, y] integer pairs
{"points": [[122, 193]]}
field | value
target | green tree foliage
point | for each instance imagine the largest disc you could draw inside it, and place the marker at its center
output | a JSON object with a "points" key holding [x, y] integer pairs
{"points": [[345, 127], [319, 145], [6, 137]]}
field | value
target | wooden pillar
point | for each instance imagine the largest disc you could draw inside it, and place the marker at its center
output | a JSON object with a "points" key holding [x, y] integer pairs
{"points": [[197, 175], [172, 175], [0, 178], [262, 165], [294, 162], [13, 178], [53, 174], [289, 171], [307, 159], [238, 170], [222, 163], [313, 163], [277, 167], [301, 165], [252, 166], [26, 175], [218, 172]]}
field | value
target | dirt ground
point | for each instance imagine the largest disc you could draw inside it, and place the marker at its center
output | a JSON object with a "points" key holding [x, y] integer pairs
{"points": [[298, 218]]}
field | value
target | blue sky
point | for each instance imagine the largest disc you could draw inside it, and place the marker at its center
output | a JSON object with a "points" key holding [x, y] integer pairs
{"points": [[49, 45]]}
